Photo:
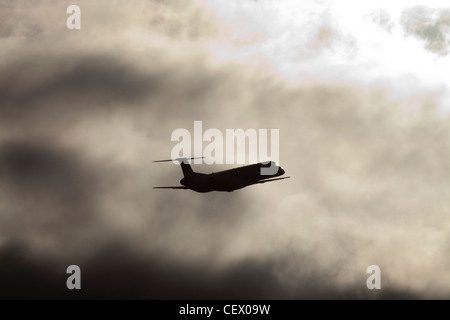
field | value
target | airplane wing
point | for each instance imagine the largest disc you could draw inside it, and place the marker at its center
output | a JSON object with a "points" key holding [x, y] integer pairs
{"points": [[174, 187], [270, 180]]}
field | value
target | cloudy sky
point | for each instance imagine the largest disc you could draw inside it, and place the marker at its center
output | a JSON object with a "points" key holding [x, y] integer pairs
{"points": [[359, 91]]}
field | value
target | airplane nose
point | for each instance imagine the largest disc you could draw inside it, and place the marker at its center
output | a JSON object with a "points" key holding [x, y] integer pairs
{"points": [[281, 171]]}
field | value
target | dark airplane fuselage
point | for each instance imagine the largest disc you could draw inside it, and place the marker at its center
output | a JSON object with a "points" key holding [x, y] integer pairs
{"points": [[229, 180]]}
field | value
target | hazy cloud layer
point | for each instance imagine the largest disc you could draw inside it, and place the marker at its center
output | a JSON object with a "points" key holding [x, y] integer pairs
{"points": [[83, 114], [430, 25]]}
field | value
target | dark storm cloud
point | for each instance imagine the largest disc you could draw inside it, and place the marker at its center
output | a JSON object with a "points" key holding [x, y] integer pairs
{"points": [[52, 86], [45, 190], [55, 91], [119, 272], [37, 166]]}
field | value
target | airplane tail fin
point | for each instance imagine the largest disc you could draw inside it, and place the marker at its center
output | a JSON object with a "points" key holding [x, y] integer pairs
{"points": [[185, 166], [187, 169]]}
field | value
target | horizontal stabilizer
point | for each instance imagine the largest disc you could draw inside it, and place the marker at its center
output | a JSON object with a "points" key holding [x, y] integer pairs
{"points": [[179, 159]]}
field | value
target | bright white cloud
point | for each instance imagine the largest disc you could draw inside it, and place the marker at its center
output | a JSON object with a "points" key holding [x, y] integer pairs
{"points": [[352, 41]]}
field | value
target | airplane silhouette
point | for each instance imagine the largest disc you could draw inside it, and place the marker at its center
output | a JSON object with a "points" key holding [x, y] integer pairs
{"points": [[227, 180]]}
